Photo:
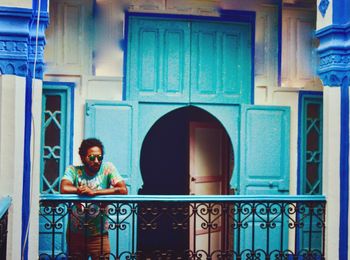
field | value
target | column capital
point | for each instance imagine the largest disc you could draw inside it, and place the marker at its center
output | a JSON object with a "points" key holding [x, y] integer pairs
{"points": [[334, 54], [18, 27]]}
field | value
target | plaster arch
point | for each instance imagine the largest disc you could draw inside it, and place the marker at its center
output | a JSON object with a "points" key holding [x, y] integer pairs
{"points": [[225, 115]]}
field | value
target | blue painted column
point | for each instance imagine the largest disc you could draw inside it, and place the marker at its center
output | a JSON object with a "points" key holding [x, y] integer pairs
{"points": [[334, 70], [344, 170], [36, 44], [14, 38], [22, 42]]}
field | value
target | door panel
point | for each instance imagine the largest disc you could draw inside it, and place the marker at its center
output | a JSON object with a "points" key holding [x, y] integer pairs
{"points": [[159, 60], [229, 116], [220, 62], [208, 176], [264, 150], [208, 159], [112, 123]]}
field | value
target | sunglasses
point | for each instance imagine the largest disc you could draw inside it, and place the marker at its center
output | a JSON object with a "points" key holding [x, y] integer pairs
{"points": [[93, 157]]}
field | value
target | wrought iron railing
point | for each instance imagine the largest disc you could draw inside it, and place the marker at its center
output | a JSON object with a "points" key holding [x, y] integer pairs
{"points": [[5, 203], [188, 227]]}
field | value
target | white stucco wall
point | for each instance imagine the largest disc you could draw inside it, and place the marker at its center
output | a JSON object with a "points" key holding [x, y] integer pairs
{"points": [[327, 19], [331, 151], [16, 3], [12, 123], [109, 28], [12, 108]]}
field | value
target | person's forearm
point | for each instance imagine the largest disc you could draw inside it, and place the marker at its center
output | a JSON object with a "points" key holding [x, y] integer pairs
{"points": [[111, 191], [69, 189]]}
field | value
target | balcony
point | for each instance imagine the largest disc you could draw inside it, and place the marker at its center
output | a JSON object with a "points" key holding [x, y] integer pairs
{"points": [[189, 227], [5, 203]]}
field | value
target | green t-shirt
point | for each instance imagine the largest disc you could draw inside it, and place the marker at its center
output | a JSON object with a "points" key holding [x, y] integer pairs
{"points": [[89, 217]]}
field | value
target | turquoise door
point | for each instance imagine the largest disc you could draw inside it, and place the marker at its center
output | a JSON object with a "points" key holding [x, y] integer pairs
{"points": [[264, 170], [112, 123], [264, 147]]}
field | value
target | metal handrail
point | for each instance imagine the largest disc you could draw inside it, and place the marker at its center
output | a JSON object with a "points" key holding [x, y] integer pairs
{"points": [[183, 198], [5, 203]]}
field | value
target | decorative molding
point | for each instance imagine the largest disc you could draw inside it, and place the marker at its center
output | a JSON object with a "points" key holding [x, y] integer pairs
{"points": [[335, 59], [323, 6], [18, 68], [18, 28], [334, 68], [333, 79], [334, 54], [88, 109], [13, 47]]}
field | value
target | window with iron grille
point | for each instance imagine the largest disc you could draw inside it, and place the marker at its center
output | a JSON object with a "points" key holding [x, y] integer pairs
{"points": [[56, 134], [311, 145]]}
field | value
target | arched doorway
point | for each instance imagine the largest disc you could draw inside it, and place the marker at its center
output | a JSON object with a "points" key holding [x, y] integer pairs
{"points": [[187, 151]]}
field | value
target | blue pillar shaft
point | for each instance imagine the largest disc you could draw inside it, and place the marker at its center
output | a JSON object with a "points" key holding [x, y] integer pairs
{"points": [[344, 171], [26, 168]]}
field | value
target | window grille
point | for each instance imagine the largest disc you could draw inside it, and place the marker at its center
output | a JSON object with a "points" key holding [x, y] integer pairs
{"points": [[311, 166], [55, 138]]}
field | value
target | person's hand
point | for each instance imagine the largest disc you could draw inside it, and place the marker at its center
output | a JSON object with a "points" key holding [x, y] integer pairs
{"points": [[85, 190]]}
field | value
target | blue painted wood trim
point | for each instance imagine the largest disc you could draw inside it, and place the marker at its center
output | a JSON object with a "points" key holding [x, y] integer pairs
{"points": [[71, 86], [26, 165], [124, 44], [302, 95], [43, 5], [344, 171], [15, 12], [95, 9], [279, 50], [5, 203], [184, 198], [341, 11], [71, 127]]}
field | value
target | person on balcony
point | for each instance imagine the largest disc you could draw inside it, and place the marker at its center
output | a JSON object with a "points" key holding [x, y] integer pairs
{"points": [[87, 232]]}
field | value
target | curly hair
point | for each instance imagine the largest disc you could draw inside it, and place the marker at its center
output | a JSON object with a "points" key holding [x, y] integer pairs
{"points": [[87, 144]]}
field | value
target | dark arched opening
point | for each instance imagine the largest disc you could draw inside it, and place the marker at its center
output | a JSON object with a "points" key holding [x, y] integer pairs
{"points": [[165, 165]]}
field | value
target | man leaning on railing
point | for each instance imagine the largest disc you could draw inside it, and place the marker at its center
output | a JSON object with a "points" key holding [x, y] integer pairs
{"points": [[87, 233]]}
